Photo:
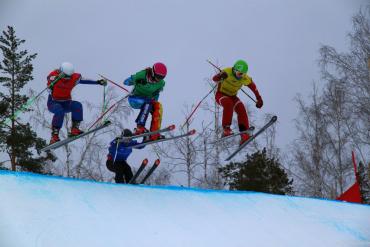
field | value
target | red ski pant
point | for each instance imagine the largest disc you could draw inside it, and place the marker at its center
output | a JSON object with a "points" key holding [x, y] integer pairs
{"points": [[231, 104], [156, 116]]}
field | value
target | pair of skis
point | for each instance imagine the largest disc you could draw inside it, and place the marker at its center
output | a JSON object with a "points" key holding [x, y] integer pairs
{"points": [[261, 130], [73, 138], [172, 127], [248, 131], [107, 123], [164, 130], [140, 170]]}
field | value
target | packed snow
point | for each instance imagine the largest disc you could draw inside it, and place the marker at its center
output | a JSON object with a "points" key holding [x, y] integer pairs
{"points": [[46, 211]]}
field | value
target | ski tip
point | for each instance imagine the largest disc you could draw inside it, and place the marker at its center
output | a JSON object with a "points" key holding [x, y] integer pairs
{"points": [[172, 127], [274, 118], [145, 162], [192, 132], [157, 162]]}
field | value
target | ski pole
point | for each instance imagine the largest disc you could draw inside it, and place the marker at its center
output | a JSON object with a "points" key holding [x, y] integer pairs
{"points": [[111, 107], [200, 102], [30, 101], [241, 88], [105, 103], [113, 83]]}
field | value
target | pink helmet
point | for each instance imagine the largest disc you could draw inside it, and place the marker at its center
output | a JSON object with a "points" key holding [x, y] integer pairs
{"points": [[159, 70]]}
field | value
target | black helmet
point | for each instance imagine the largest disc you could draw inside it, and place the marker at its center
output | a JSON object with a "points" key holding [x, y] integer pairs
{"points": [[126, 133]]}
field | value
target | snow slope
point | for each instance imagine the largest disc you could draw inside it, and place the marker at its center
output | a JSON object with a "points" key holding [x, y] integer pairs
{"points": [[45, 211]]}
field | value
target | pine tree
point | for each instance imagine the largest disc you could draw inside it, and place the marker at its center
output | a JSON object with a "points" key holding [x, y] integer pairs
{"points": [[16, 138], [258, 173], [364, 181]]}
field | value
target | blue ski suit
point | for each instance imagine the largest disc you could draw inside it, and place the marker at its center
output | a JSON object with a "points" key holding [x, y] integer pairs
{"points": [[117, 160]]}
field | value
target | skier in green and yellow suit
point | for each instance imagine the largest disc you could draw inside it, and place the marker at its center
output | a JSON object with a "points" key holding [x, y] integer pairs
{"points": [[148, 83], [230, 81]]}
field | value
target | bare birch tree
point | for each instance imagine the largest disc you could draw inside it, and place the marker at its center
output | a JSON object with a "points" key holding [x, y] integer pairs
{"points": [[308, 149], [350, 71], [179, 155], [337, 119]]}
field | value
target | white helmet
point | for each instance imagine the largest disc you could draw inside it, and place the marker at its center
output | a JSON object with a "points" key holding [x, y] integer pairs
{"points": [[67, 68]]}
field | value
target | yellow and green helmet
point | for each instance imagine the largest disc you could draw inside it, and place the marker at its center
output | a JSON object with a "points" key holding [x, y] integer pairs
{"points": [[241, 66]]}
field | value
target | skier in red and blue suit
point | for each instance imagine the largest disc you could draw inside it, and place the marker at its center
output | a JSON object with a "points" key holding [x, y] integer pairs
{"points": [[61, 83]]}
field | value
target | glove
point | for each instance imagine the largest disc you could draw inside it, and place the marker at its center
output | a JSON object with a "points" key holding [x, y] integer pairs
{"points": [[102, 82], [223, 75], [259, 103], [220, 76], [129, 81]]}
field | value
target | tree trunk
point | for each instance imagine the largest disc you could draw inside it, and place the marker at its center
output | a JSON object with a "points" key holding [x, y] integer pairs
{"points": [[188, 156], [12, 152], [205, 160]]}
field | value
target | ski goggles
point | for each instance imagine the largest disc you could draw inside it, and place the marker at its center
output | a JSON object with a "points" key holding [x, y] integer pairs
{"points": [[239, 74], [159, 77]]}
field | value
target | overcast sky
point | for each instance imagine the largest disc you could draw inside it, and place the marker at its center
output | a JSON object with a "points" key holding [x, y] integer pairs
{"points": [[279, 39]]}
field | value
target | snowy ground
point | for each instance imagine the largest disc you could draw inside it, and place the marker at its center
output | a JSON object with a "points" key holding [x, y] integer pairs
{"points": [[45, 211]]}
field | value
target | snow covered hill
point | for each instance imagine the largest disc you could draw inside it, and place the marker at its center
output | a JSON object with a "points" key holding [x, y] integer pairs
{"points": [[45, 211]]}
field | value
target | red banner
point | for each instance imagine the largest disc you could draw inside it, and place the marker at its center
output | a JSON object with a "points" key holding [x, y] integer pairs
{"points": [[353, 194]]}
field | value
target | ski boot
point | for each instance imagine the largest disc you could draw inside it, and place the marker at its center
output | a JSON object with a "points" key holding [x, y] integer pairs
{"points": [[75, 131], [244, 137], [227, 131], [140, 130], [156, 137], [54, 136]]}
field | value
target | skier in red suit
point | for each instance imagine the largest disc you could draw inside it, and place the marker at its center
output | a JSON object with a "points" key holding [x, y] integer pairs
{"points": [[230, 81]]}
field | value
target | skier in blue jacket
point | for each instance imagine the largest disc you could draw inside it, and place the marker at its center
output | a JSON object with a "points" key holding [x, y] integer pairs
{"points": [[119, 150]]}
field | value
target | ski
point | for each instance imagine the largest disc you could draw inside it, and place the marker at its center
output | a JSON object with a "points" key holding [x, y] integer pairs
{"points": [[73, 138], [167, 129], [191, 132], [249, 131], [138, 172], [272, 121], [150, 172]]}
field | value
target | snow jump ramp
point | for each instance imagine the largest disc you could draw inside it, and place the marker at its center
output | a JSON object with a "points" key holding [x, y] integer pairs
{"points": [[45, 211]]}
